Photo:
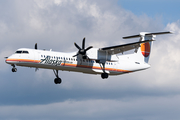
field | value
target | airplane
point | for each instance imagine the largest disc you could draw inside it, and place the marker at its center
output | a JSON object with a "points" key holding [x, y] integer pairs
{"points": [[105, 61]]}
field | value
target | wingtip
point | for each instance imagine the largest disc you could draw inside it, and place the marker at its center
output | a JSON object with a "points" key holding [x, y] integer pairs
{"points": [[171, 32]]}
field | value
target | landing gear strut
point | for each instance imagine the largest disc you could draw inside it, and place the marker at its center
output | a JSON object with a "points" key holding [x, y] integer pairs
{"points": [[14, 69], [57, 80]]}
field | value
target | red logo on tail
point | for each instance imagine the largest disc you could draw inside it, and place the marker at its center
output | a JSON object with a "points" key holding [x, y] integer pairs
{"points": [[145, 49]]}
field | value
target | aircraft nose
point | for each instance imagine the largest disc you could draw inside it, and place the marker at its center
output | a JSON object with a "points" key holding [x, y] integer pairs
{"points": [[8, 60]]}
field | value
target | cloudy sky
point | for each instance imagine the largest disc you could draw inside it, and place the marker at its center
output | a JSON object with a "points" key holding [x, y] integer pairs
{"points": [[153, 94]]}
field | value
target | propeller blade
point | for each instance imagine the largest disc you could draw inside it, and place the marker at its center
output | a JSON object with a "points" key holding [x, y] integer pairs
{"points": [[83, 43], [77, 46], [76, 55], [35, 47], [82, 50], [88, 48]]}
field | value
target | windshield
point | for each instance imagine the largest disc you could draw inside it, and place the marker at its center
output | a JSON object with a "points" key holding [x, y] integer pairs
{"points": [[20, 52]]}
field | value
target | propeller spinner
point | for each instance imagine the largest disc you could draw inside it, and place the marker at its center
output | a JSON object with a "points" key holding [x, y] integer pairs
{"points": [[82, 51]]}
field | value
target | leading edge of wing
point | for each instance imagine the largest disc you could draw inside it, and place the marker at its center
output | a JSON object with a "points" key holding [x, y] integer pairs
{"points": [[123, 47]]}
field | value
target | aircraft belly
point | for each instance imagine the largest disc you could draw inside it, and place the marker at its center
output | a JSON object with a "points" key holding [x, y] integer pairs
{"points": [[73, 68], [120, 68]]}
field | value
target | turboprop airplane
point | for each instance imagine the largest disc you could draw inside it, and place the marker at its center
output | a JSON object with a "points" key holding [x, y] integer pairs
{"points": [[104, 61]]}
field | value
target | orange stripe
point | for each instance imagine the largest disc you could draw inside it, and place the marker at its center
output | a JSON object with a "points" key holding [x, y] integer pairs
{"points": [[24, 60], [71, 65]]}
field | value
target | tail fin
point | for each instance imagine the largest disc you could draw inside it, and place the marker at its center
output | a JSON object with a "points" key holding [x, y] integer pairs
{"points": [[143, 52]]}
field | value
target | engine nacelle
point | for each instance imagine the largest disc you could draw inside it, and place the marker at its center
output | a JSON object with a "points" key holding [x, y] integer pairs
{"points": [[101, 55]]}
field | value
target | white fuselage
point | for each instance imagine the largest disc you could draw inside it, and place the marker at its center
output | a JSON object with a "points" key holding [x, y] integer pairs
{"points": [[66, 62]]}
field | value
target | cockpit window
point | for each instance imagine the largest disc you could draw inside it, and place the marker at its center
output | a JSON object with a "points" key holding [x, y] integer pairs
{"points": [[25, 52], [20, 52]]}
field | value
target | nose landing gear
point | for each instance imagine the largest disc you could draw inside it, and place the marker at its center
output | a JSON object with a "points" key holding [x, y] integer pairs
{"points": [[14, 69]]}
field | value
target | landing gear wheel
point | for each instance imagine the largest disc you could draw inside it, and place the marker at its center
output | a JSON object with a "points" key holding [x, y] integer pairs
{"points": [[104, 75], [57, 80], [14, 69]]}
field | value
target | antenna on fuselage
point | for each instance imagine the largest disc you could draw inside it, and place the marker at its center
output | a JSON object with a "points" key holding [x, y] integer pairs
{"points": [[35, 47]]}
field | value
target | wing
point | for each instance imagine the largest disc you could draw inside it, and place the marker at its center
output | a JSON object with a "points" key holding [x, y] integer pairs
{"points": [[123, 48]]}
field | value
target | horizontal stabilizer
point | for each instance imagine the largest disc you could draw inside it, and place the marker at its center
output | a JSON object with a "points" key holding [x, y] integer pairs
{"points": [[146, 33]]}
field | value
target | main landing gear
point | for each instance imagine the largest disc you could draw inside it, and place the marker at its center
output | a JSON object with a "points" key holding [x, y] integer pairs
{"points": [[57, 80], [14, 69], [104, 75]]}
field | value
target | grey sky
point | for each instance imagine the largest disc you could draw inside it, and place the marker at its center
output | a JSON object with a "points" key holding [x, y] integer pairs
{"points": [[57, 24]]}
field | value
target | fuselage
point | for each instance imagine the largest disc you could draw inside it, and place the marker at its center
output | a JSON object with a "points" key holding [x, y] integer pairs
{"points": [[66, 62]]}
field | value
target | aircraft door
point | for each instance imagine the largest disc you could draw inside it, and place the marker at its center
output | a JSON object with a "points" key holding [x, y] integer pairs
{"points": [[36, 56]]}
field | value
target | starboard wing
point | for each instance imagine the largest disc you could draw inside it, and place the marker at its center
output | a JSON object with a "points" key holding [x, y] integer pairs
{"points": [[123, 48]]}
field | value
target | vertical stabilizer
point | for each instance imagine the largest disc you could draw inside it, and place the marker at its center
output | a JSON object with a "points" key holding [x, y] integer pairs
{"points": [[143, 52]]}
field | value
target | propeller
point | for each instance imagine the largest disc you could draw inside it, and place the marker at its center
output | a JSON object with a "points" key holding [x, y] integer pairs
{"points": [[35, 47], [82, 51]]}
